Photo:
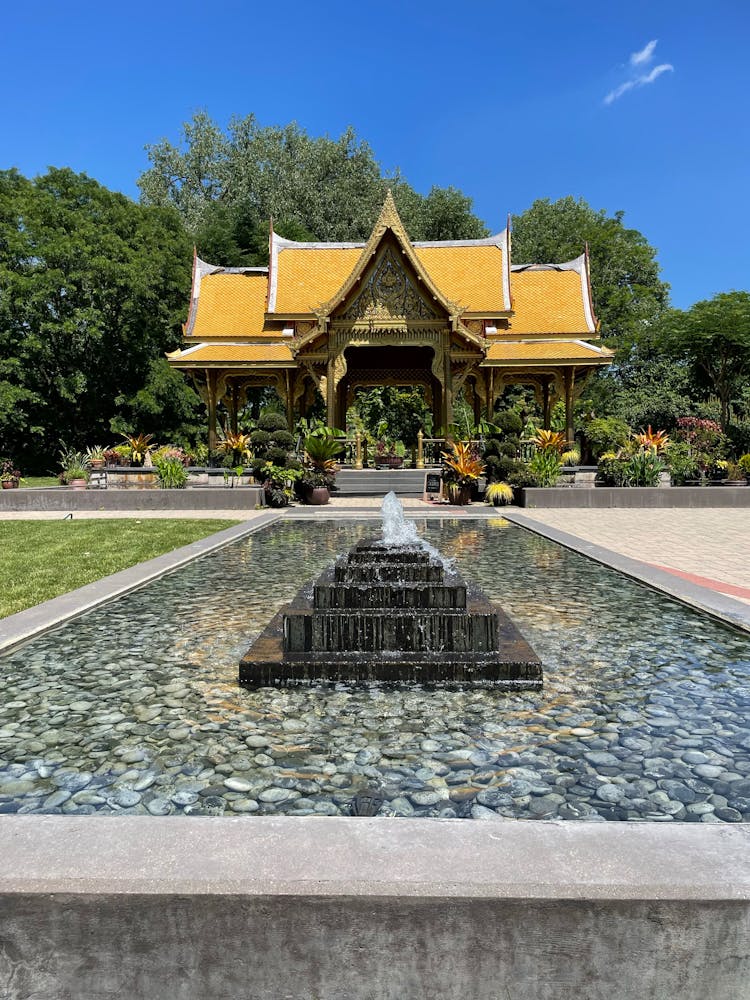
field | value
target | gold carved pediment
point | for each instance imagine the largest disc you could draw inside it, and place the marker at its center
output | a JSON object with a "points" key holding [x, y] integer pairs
{"points": [[388, 293]]}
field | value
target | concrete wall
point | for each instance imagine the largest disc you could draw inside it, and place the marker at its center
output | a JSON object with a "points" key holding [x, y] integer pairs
{"points": [[63, 499], [277, 907], [615, 496]]}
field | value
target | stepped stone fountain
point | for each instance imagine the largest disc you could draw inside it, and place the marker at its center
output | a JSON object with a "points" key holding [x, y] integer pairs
{"points": [[391, 611]]}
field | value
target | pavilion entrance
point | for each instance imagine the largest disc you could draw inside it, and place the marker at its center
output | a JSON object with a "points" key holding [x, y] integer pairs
{"points": [[368, 367]]}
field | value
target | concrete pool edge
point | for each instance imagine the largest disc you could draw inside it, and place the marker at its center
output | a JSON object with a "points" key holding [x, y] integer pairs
{"points": [[25, 625], [371, 908], [717, 605]]}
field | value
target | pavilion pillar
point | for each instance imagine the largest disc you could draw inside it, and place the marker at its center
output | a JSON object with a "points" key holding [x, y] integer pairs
{"points": [[211, 381], [289, 400], [546, 403], [447, 408], [489, 378], [330, 394], [234, 406], [569, 384]]}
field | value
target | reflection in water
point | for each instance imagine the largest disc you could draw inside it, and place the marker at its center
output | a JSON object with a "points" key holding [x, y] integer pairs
{"points": [[135, 707]]}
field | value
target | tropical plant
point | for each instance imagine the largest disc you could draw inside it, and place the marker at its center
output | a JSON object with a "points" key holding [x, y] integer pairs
{"points": [[571, 457], [235, 444], [550, 441], [605, 434], [461, 465], [744, 463], [171, 473], [498, 494], [139, 444], [649, 440], [643, 468], [545, 464], [322, 448], [277, 483], [94, 454]]}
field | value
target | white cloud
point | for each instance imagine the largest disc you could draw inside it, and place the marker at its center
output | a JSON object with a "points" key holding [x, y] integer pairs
{"points": [[645, 54], [638, 61]]}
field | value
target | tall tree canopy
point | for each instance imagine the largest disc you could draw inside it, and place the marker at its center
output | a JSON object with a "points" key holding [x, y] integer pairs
{"points": [[92, 290], [226, 186], [629, 295], [713, 338]]}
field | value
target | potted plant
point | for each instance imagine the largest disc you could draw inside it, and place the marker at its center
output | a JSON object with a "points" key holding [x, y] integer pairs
{"points": [[111, 456], [462, 468], [318, 478], [95, 457], [9, 475], [77, 477], [123, 453], [140, 445], [744, 464], [498, 494]]}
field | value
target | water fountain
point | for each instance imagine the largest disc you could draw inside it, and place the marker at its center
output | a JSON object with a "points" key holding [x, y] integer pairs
{"points": [[392, 611]]}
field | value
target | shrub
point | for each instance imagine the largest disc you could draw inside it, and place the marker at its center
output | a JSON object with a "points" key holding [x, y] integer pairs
{"points": [[509, 422], [606, 434], [278, 456], [170, 472], [282, 439], [272, 422], [498, 493]]}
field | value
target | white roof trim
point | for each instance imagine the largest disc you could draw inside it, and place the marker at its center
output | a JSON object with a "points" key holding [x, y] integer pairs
{"points": [[591, 347]]}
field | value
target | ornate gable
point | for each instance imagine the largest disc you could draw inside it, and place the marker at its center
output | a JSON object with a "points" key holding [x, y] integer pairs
{"points": [[389, 293]]}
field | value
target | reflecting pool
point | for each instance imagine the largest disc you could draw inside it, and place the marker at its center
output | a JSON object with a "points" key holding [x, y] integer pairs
{"points": [[134, 708]]}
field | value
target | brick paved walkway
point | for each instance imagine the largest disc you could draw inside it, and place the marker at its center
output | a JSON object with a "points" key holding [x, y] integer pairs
{"points": [[710, 547]]}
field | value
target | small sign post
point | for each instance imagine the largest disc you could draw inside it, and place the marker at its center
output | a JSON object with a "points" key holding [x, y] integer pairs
{"points": [[433, 486]]}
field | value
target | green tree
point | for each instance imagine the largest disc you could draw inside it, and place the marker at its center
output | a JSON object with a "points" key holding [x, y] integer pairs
{"points": [[629, 295], [713, 337], [226, 186], [92, 290]]}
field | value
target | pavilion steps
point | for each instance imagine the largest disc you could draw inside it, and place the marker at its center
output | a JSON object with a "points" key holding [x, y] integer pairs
{"points": [[378, 482]]}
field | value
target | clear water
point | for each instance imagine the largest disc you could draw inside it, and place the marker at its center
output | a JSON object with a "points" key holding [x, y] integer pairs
{"points": [[134, 708]]}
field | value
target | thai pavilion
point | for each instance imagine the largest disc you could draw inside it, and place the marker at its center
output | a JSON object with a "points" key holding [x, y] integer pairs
{"points": [[448, 316]]}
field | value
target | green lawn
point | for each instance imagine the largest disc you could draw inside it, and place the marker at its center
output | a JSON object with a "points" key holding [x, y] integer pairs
{"points": [[40, 481], [42, 559]]}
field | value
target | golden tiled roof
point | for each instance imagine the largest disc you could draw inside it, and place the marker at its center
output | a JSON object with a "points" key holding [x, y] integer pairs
{"points": [[307, 277], [471, 276], [231, 305], [231, 354], [541, 351], [548, 301]]}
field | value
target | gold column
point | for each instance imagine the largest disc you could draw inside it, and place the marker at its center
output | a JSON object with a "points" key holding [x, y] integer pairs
{"points": [[211, 400], [289, 401], [546, 401], [569, 383], [447, 414], [358, 464], [420, 449], [330, 393]]}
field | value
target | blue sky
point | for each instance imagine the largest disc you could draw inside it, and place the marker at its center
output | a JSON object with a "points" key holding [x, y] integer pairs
{"points": [[506, 101]]}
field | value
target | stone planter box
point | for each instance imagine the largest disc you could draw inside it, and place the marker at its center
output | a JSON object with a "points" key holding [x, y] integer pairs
{"points": [[637, 496]]}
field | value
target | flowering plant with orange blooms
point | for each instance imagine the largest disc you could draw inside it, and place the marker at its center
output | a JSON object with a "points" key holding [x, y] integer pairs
{"points": [[649, 440], [550, 441]]}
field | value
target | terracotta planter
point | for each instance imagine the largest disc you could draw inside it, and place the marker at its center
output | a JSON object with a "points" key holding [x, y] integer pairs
{"points": [[10, 484], [78, 484], [97, 463], [317, 496]]}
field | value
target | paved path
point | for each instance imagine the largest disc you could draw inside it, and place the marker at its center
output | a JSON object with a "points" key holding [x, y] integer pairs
{"points": [[709, 547]]}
